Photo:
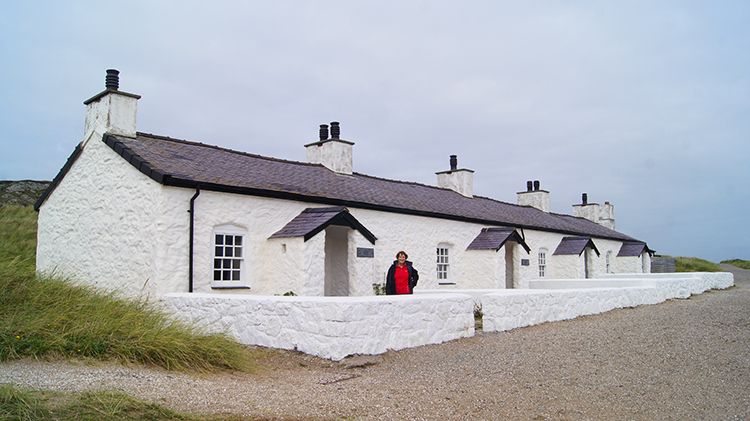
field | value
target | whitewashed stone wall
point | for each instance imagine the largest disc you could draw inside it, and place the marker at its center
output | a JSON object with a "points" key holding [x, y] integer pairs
{"points": [[100, 225], [567, 299], [331, 327], [334, 327]]}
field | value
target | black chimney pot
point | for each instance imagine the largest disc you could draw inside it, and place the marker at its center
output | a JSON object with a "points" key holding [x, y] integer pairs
{"points": [[454, 162], [585, 199], [112, 81], [529, 185], [536, 185], [323, 131], [335, 130]]}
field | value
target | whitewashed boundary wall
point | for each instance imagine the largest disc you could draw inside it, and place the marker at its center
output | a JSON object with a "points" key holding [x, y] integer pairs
{"points": [[567, 299], [335, 327], [331, 327]]}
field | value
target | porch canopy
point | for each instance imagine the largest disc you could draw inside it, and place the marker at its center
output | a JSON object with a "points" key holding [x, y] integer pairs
{"points": [[495, 238], [311, 221], [634, 249], [575, 245]]}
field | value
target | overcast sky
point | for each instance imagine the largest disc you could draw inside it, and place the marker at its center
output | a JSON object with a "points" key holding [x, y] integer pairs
{"points": [[644, 104]]}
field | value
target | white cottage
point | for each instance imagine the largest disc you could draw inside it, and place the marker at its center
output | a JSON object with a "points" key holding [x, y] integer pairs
{"points": [[151, 215]]}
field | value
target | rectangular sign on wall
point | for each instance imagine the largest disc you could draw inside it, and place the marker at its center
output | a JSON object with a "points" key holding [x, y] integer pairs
{"points": [[365, 252]]}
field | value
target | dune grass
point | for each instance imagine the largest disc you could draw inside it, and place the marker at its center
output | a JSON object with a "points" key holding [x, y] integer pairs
{"points": [[694, 264], [23, 404], [49, 317], [742, 264]]}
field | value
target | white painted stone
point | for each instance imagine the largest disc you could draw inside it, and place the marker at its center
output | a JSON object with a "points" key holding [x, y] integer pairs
{"points": [[334, 154]]}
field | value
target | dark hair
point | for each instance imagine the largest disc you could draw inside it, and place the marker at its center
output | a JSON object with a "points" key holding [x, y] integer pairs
{"points": [[406, 256]]}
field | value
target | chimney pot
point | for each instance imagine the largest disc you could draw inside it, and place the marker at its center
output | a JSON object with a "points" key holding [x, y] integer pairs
{"points": [[112, 81], [585, 199], [529, 186], [323, 131], [536, 185], [335, 130], [454, 162]]}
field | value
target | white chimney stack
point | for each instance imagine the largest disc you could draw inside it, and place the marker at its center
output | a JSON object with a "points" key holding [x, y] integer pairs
{"points": [[333, 153], [458, 180], [534, 197], [603, 215], [111, 111]]}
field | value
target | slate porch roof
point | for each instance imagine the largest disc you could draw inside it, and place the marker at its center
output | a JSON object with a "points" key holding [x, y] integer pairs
{"points": [[495, 238], [181, 163], [575, 245], [313, 220], [633, 249]]}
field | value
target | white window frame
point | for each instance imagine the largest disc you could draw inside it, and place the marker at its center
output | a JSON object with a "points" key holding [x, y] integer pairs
{"points": [[443, 265], [231, 258], [543, 263]]}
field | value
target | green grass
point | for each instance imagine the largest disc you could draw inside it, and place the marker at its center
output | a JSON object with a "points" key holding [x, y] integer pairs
{"points": [[694, 264], [51, 317], [742, 264], [22, 404]]}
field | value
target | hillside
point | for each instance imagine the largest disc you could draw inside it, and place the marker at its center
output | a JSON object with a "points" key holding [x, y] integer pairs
{"points": [[24, 192]]}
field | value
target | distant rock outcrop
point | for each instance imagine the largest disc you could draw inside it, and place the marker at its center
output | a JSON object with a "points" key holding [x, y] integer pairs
{"points": [[24, 192]]}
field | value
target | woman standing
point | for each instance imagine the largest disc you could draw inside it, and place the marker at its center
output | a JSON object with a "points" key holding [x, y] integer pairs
{"points": [[402, 277]]}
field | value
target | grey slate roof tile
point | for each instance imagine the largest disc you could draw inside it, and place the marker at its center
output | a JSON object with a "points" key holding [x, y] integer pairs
{"points": [[188, 164]]}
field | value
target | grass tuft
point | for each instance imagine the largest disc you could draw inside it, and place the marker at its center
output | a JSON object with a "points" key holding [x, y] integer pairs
{"points": [[742, 264], [33, 405], [694, 264], [16, 404]]}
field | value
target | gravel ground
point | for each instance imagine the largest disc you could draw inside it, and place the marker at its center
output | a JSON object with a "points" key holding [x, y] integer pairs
{"points": [[682, 359]]}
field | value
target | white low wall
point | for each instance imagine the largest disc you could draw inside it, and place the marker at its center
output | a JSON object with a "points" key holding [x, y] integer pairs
{"points": [[335, 327], [571, 298], [331, 327]]}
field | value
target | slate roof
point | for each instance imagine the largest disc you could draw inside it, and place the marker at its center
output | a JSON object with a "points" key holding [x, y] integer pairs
{"points": [[575, 245], [181, 163], [495, 238], [313, 220], [633, 249]]}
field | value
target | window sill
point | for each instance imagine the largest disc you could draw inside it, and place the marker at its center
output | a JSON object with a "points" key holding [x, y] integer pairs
{"points": [[230, 287], [446, 283]]}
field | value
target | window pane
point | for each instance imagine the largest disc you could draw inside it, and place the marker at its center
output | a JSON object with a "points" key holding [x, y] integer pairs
{"points": [[237, 252], [238, 240], [217, 263], [228, 251], [229, 240], [227, 263], [217, 275], [219, 251], [235, 275], [227, 275], [219, 239], [235, 264]]}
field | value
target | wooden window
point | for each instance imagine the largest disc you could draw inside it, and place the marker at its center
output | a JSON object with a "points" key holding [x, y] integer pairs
{"points": [[229, 258], [542, 263], [443, 264]]}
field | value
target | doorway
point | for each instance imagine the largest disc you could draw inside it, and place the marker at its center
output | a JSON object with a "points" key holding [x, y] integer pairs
{"points": [[336, 261]]}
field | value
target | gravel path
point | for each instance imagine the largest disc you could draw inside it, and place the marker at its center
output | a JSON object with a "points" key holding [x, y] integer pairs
{"points": [[681, 360]]}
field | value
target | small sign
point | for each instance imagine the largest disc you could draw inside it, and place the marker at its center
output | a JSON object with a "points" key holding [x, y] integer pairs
{"points": [[365, 252], [524, 262]]}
